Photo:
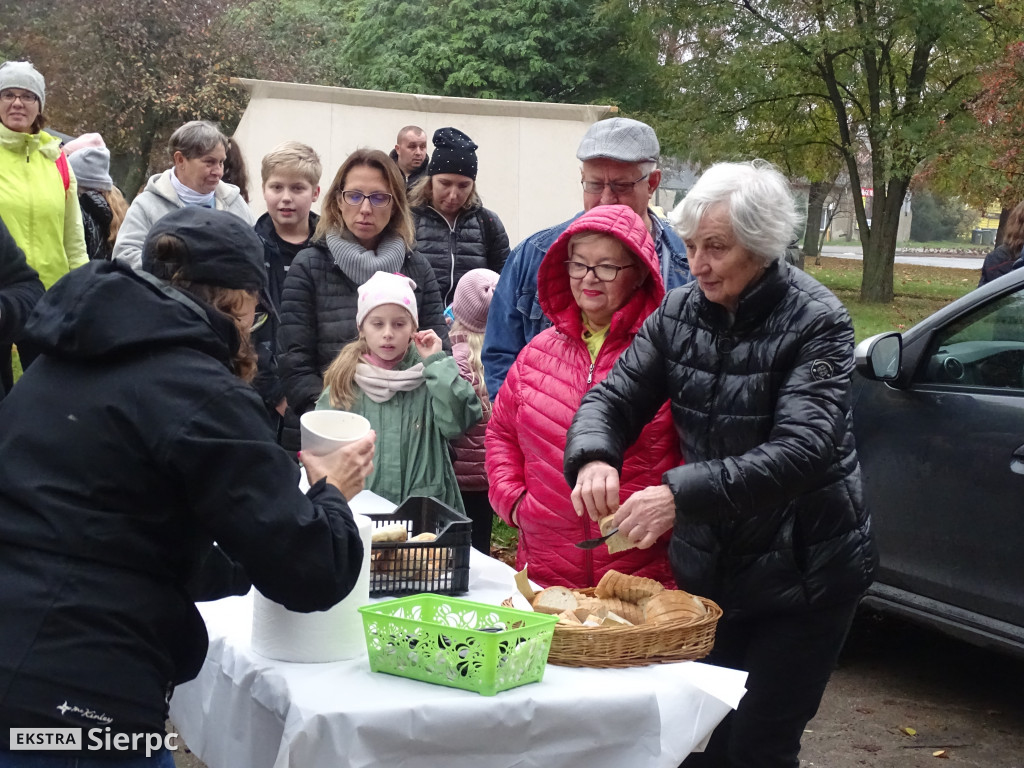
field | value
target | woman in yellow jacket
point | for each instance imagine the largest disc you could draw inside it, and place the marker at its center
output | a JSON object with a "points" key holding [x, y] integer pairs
{"points": [[38, 192]]}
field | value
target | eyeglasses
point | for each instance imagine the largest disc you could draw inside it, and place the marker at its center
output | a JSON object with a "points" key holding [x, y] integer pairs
{"points": [[606, 273], [617, 187], [26, 98], [377, 199]]}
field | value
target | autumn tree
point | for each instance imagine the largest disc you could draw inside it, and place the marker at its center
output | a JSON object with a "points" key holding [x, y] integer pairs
{"points": [[887, 82], [136, 70], [986, 164]]}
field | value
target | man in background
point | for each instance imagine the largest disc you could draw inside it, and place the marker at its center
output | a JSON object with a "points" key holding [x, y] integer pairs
{"points": [[410, 153]]}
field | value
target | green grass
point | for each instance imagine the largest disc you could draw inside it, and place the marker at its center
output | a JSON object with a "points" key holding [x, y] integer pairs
{"points": [[946, 245], [937, 245], [920, 291]]}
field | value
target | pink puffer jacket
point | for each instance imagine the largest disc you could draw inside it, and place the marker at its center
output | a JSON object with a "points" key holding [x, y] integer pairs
{"points": [[469, 449], [535, 406]]}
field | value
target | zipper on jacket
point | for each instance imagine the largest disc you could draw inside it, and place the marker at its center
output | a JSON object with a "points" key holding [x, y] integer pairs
{"points": [[450, 297], [590, 374]]}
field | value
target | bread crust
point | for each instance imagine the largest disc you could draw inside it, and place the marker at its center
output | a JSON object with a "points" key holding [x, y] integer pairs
{"points": [[627, 587], [674, 605]]}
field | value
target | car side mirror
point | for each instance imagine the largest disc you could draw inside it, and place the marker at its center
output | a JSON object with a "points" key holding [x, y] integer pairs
{"points": [[879, 358]]}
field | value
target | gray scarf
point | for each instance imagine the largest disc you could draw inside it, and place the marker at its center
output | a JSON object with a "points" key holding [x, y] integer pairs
{"points": [[359, 264]]}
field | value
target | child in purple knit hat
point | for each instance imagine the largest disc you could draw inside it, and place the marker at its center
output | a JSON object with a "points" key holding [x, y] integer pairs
{"points": [[469, 312]]}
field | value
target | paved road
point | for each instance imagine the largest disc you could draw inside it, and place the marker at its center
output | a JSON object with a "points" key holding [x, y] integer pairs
{"points": [[853, 251], [902, 694]]}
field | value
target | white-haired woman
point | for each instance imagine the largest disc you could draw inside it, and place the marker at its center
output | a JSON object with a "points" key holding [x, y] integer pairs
{"points": [[198, 150], [767, 515]]}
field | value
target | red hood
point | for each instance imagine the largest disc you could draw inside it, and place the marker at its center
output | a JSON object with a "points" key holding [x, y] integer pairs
{"points": [[555, 295]]}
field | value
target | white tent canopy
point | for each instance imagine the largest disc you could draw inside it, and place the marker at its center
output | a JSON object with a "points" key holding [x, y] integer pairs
{"points": [[529, 174]]}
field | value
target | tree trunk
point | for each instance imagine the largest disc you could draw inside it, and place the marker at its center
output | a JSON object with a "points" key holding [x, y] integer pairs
{"points": [[880, 247], [138, 164], [816, 196]]}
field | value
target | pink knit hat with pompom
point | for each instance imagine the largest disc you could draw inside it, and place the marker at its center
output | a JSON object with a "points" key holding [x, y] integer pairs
{"points": [[384, 288]]}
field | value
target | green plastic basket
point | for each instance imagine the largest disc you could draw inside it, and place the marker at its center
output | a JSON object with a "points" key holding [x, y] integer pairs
{"points": [[458, 643]]}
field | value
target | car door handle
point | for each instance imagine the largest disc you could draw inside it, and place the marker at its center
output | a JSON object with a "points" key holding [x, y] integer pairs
{"points": [[1017, 460]]}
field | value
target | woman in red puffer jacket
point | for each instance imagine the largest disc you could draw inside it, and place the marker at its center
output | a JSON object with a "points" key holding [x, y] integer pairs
{"points": [[595, 316]]}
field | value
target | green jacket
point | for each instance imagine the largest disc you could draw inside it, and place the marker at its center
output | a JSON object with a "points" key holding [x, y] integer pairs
{"points": [[44, 219], [413, 430]]}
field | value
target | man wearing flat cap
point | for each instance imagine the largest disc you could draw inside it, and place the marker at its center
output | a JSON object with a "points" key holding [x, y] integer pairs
{"points": [[619, 159]]}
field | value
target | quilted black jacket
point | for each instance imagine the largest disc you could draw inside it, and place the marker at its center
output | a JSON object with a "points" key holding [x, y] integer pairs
{"points": [[473, 243], [770, 513], [318, 318]]}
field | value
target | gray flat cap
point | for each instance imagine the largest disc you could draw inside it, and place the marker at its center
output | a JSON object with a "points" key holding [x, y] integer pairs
{"points": [[622, 139]]}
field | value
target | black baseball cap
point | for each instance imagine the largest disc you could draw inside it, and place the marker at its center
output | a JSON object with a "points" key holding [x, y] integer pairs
{"points": [[219, 249]]}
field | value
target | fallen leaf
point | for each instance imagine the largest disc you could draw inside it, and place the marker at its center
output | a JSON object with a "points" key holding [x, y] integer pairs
{"points": [[940, 753], [909, 731]]}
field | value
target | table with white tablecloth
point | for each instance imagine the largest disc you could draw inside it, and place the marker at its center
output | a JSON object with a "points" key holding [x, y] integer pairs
{"points": [[247, 711]]}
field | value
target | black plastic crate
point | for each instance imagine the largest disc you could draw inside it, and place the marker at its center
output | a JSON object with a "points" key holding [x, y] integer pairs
{"points": [[410, 567]]}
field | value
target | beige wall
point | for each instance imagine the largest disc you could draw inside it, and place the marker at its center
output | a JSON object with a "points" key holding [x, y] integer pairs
{"points": [[528, 171]]}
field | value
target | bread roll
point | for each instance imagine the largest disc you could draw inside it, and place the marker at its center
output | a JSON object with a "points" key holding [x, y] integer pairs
{"points": [[632, 589], [674, 605], [432, 561], [393, 532], [383, 561]]}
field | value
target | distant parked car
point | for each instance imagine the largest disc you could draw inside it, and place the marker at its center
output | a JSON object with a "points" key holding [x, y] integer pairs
{"points": [[939, 420]]}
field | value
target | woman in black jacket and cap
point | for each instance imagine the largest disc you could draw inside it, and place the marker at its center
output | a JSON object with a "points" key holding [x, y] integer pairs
{"points": [[364, 227], [130, 446], [20, 289], [453, 229], [767, 514]]}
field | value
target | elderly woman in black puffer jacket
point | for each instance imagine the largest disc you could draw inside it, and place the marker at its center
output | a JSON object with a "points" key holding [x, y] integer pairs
{"points": [[364, 227], [453, 229], [767, 514]]}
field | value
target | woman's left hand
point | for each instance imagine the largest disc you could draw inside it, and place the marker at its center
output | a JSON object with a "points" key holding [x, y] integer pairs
{"points": [[646, 515], [427, 343]]}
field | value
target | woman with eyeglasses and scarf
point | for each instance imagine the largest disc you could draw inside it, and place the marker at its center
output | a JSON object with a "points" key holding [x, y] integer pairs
{"points": [[38, 190], [365, 227]]}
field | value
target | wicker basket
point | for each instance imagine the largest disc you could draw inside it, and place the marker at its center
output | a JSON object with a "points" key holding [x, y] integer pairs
{"points": [[637, 646]]}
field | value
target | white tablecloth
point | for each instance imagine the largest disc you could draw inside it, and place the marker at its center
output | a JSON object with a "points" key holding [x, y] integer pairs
{"points": [[246, 711]]}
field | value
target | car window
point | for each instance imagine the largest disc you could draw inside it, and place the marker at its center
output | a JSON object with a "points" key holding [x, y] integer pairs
{"points": [[982, 349]]}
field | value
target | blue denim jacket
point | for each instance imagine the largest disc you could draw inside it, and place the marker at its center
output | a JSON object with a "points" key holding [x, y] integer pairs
{"points": [[515, 316]]}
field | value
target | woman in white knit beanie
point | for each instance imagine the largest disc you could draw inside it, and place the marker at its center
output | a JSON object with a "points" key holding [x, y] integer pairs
{"points": [[103, 205]]}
